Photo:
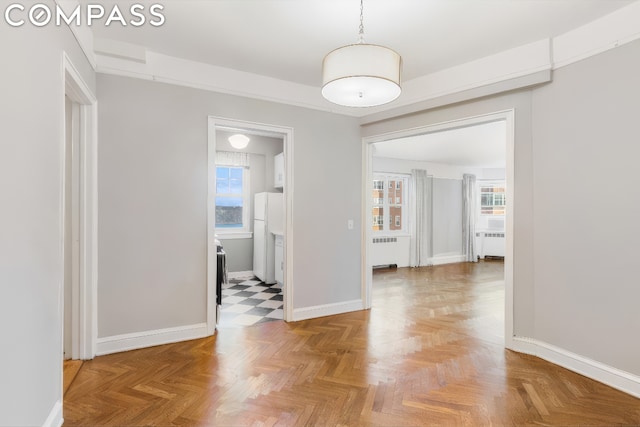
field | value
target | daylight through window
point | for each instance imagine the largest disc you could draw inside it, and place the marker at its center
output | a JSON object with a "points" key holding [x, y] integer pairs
{"points": [[389, 199], [492, 198]]}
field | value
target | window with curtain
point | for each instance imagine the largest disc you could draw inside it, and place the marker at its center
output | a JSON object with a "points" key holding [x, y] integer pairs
{"points": [[390, 203], [232, 192]]}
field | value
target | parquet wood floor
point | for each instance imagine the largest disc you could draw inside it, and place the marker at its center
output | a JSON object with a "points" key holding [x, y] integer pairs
{"points": [[429, 352]]}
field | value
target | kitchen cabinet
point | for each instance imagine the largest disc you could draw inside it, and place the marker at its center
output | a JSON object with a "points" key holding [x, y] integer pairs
{"points": [[278, 171], [279, 259]]}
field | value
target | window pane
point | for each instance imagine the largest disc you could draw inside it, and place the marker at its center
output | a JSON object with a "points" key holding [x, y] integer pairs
{"points": [[228, 212], [378, 218], [222, 180]]}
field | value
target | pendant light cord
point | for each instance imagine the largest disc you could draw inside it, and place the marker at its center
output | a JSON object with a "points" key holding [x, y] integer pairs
{"points": [[361, 33]]}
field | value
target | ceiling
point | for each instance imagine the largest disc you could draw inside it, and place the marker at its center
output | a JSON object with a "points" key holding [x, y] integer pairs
{"points": [[287, 39], [478, 146]]}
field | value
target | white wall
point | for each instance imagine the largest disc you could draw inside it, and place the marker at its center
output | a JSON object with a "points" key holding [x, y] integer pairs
{"points": [[575, 281], [153, 194], [31, 265]]}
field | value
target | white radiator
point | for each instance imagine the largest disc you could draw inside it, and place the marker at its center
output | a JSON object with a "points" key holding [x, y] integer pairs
{"points": [[387, 251], [490, 243]]}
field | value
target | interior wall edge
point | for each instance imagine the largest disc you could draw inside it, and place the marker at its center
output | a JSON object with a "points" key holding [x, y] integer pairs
{"points": [[137, 340], [613, 377]]}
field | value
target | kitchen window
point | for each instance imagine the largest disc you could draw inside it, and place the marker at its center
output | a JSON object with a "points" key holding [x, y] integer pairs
{"points": [[232, 197]]}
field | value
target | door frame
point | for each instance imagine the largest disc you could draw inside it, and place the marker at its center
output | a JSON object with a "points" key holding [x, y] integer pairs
{"points": [[84, 309], [286, 133], [367, 166]]}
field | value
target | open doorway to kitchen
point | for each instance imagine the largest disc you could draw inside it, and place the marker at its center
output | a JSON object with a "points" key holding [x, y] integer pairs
{"points": [[391, 159], [249, 210]]}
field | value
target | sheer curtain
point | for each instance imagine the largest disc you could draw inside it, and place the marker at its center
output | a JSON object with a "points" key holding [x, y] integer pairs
{"points": [[421, 197], [232, 158], [469, 212]]}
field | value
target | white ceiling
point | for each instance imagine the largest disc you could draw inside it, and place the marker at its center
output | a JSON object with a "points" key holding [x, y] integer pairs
{"points": [[287, 39], [479, 146]]}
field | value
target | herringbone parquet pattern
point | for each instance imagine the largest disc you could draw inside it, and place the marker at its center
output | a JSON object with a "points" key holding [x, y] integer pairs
{"points": [[429, 352]]}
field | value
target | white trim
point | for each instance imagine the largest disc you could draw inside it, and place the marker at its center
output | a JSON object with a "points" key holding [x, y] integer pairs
{"points": [[327, 310], [232, 235], [240, 274], [367, 233], [82, 34], [609, 32], [136, 340], [509, 230], [509, 65], [614, 377], [286, 133], [212, 249], [511, 69], [55, 416], [86, 311], [447, 259], [183, 72]]}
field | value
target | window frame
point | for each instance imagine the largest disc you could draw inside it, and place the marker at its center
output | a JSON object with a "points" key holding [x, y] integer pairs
{"points": [[387, 218], [492, 183], [245, 231]]}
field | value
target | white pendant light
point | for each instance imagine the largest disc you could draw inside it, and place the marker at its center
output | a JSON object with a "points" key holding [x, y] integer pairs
{"points": [[361, 75], [239, 141]]}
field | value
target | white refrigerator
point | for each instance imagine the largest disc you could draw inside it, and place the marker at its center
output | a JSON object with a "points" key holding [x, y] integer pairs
{"points": [[268, 219]]}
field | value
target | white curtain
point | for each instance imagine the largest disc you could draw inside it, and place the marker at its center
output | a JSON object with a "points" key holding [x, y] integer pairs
{"points": [[469, 212], [232, 158], [421, 197]]}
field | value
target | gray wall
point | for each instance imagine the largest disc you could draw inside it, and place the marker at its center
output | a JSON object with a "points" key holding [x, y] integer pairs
{"points": [[576, 149], [31, 266], [587, 201], [153, 194], [447, 217]]}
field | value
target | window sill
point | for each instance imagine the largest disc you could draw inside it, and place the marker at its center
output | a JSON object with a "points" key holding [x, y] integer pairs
{"points": [[234, 235], [389, 234]]}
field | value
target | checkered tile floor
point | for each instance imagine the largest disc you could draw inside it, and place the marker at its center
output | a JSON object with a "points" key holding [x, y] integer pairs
{"points": [[247, 302]]}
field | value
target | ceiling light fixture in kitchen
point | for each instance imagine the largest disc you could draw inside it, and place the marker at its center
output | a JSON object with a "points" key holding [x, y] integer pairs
{"points": [[239, 141]]}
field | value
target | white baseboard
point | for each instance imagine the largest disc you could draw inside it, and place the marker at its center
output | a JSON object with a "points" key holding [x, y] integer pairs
{"points": [[136, 340], [55, 416], [447, 259], [240, 274], [613, 377], [327, 310]]}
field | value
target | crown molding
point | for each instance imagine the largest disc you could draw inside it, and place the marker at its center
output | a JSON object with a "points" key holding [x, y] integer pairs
{"points": [[516, 68]]}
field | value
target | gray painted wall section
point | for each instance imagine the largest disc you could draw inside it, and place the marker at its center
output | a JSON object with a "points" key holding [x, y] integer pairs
{"points": [[587, 201], [447, 217], [31, 265], [153, 194]]}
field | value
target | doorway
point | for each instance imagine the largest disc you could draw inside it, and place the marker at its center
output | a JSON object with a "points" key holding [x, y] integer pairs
{"points": [[259, 174], [79, 218], [507, 117]]}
